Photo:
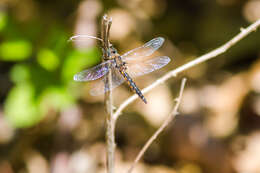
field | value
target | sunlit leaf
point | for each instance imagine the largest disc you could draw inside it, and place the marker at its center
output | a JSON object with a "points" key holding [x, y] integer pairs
{"points": [[15, 50], [20, 73], [3, 20], [20, 106], [48, 59]]}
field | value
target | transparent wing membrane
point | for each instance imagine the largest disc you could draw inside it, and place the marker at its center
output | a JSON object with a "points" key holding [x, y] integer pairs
{"points": [[93, 73], [99, 88], [146, 50], [147, 66]]}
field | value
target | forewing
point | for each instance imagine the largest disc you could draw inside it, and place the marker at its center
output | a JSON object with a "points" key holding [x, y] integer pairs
{"points": [[99, 88], [147, 66], [146, 50], [93, 73]]}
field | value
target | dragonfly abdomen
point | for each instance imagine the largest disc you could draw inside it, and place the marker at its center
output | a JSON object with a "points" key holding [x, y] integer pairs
{"points": [[133, 86]]}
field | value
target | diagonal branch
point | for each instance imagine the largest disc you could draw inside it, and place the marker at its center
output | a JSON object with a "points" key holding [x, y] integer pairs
{"points": [[243, 33], [163, 126]]}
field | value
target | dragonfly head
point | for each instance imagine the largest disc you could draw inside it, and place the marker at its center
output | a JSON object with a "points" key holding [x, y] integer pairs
{"points": [[112, 51]]}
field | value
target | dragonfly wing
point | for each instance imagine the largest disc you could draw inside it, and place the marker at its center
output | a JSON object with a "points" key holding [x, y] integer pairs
{"points": [[99, 87], [146, 50], [147, 66], [93, 73]]}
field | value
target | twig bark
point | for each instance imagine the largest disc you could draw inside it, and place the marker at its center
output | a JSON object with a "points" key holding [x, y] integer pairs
{"points": [[243, 33], [110, 122], [162, 127]]}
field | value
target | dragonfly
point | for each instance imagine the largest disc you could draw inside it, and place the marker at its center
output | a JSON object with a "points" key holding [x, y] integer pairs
{"points": [[134, 63]]}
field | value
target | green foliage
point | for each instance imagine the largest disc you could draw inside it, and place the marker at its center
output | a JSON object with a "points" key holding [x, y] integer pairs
{"points": [[48, 59], [40, 88], [15, 50], [36, 92], [20, 106], [3, 20], [20, 73], [42, 70]]}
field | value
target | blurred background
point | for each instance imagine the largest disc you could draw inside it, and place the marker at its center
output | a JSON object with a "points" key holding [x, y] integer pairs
{"points": [[49, 123]]}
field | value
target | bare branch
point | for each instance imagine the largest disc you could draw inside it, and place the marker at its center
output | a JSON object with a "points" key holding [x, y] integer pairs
{"points": [[163, 126], [110, 122], [243, 33]]}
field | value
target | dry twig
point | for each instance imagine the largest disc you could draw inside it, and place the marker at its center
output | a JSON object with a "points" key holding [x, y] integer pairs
{"points": [[243, 33], [110, 122], [162, 127]]}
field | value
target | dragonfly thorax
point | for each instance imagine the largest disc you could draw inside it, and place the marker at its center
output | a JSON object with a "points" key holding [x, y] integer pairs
{"points": [[109, 53], [120, 64]]}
